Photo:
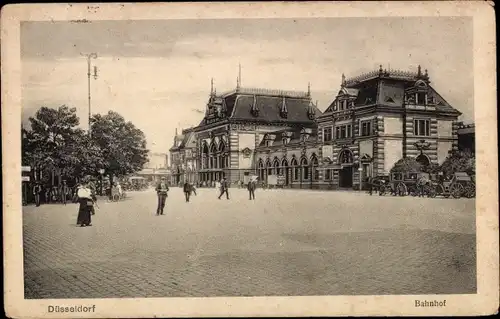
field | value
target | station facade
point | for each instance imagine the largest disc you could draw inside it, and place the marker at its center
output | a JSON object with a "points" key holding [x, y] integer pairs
{"points": [[374, 120]]}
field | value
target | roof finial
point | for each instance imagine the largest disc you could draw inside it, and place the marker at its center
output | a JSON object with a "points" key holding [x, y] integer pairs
{"points": [[308, 88], [343, 80], [176, 131], [212, 86], [419, 72], [238, 81]]}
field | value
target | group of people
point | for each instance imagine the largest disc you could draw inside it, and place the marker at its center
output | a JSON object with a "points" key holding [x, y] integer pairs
{"points": [[54, 194], [162, 190]]}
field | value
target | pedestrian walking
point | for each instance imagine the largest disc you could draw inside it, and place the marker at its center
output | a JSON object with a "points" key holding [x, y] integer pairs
{"points": [[370, 185], [193, 189], [37, 190], [162, 194], [84, 195], [251, 189], [224, 188], [64, 192], [187, 191]]}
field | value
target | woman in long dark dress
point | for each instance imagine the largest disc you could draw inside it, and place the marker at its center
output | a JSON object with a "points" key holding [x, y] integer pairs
{"points": [[86, 203]]}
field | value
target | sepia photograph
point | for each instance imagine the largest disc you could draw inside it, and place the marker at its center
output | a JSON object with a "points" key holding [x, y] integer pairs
{"points": [[250, 156]]}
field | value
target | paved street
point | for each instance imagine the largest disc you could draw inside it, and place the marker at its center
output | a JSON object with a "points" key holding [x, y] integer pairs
{"points": [[285, 242]]}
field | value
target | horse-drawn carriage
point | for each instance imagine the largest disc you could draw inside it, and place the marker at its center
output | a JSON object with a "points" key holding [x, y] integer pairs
{"points": [[460, 184], [409, 183]]}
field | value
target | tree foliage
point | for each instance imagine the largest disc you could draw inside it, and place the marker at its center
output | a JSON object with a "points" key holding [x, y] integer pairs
{"points": [[123, 145], [459, 161], [55, 143], [407, 164]]}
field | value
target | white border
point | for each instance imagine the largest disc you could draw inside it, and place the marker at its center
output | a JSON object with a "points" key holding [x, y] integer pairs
{"points": [[486, 301]]}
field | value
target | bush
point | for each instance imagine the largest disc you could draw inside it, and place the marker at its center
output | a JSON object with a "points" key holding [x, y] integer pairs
{"points": [[407, 164]]}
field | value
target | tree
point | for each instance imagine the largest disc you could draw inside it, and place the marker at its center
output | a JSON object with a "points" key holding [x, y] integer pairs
{"points": [[407, 164], [123, 146], [459, 161], [48, 142]]}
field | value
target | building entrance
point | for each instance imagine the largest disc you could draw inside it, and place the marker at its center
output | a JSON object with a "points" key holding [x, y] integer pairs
{"points": [[345, 177]]}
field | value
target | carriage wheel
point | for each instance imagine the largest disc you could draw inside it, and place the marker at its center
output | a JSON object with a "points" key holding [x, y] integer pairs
{"points": [[431, 191], [382, 191], [470, 190], [456, 190], [401, 189], [414, 191]]}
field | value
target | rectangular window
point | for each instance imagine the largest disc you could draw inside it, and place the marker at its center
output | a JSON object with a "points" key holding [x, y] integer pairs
{"points": [[366, 128], [342, 131], [421, 98], [349, 131], [337, 132], [328, 174], [327, 134], [421, 127]]}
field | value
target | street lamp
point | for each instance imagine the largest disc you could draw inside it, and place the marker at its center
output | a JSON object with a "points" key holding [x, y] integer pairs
{"points": [[89, 57]]}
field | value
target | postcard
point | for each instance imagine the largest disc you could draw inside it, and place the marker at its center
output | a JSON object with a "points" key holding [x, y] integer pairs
{"points": [[249, 159]]}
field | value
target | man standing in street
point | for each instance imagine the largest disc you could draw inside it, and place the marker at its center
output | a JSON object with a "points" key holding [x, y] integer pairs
{"points": [[251, 189], [162, 193], [224, 188], [37, 189], [187, 191], [370, 185]]}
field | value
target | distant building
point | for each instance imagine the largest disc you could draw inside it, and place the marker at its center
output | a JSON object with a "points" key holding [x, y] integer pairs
{"points": [[466, 137], [183, 163], [157, 160]]}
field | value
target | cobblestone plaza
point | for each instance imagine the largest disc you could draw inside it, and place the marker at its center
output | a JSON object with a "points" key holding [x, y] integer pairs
{"points": [[286, 242]]}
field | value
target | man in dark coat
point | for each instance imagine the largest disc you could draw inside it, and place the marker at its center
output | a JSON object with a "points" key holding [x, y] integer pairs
{"points": [[224, 188], [187, 190], [37, 189], [370, 185], [251, 189], [162, 193]]}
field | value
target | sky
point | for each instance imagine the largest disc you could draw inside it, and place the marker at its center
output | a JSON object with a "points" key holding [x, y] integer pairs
{"points": [[157, 73]]}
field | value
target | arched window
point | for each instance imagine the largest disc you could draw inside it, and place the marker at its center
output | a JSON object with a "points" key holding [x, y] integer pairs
{"points": [[423, 160], [345, 157], [276, 167], [222, 157], [314, 165], [305, 168], [296, 169], [205, 155], [213, 159], [269, 167], [261, 170]]}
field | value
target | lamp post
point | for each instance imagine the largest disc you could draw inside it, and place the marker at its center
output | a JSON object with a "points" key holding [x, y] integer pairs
{"points": [[89, 57]]}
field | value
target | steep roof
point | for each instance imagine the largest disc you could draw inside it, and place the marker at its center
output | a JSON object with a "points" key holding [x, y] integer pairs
{"points": [[295, 135], [273, 106], [388, 88]]}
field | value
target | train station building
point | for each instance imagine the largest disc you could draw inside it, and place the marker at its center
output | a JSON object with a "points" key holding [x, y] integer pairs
{"points": [[380, 117], [374, 120]]}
